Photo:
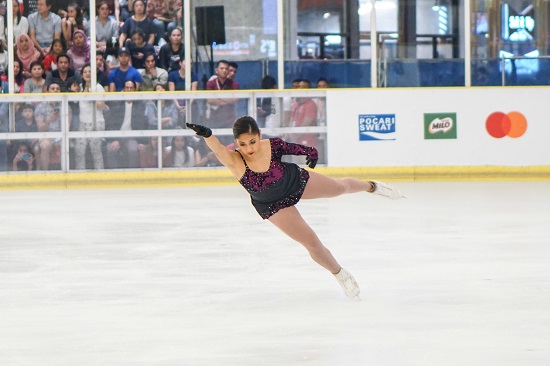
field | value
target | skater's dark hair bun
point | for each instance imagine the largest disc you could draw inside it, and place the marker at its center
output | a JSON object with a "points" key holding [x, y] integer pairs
{"points": [[245, 124]]}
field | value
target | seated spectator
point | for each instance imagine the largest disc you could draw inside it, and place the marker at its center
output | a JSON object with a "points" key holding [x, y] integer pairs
{"points": [[48, 119], [80, 50], [102, 76], [138, 20], [169, 112], [24, 159], [139, 48], [88, 123], [152, 75], [44, 26], [20, 22], [173, 52], [148, 154], [74, 20], [26, 123], [179, 154], [106, 27], [35, 84], [19, 77], [124, 116], [166, 15], [50, 61], [123, 73], [64, 76], [26, 53]]}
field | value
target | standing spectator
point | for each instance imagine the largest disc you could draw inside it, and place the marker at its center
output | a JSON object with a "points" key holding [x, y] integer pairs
{"points": [[166, 15], [89, 110], [80, 50], [169, 112], [152, 75], [179, 154], [35, 83], [233, 67], [176, 81], [304, 113], [20, 22], [173, 52], [125, 116], [221, 110], [26, 53], [44, 26], [19, 77], [269, 109], [123, 73], [48, 119], [139, 48], [106, 27], [50, 61], [72, 21], [322, 83], [64, 76], [138, 20]]}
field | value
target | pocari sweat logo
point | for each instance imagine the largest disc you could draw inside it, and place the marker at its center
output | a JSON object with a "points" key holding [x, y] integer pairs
{"points": [[376, 127]]}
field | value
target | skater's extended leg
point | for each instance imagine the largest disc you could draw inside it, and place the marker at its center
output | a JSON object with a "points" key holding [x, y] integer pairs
{"points": [[322, 186], [290, 222]]}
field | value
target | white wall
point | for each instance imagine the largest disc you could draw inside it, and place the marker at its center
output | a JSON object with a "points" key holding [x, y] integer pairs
{"points": [[473, 145]]}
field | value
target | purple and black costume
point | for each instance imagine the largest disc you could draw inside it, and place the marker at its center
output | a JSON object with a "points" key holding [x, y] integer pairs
{"points": [[283, 184]]}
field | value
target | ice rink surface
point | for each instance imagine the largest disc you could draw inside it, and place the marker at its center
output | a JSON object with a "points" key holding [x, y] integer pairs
{"points": [[457, 274]]}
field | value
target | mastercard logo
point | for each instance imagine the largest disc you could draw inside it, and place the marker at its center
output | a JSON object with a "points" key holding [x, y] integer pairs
{"points": [[513, 124]]}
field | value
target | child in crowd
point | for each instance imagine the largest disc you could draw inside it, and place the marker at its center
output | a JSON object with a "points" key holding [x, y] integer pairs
{"points": [[35, 83], [50, 61]]}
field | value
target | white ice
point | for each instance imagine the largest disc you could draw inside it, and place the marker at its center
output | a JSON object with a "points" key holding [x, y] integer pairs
{"points": [[457, 274]]}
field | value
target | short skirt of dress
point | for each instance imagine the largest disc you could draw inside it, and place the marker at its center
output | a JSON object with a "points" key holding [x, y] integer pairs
{"points": [[284, 193]]}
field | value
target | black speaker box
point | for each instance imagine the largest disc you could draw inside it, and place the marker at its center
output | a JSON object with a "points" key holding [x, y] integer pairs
{"points": [[210, 24]]}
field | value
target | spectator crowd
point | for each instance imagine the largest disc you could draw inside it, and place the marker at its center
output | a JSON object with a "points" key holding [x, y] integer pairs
{"points": [[139, 47]]}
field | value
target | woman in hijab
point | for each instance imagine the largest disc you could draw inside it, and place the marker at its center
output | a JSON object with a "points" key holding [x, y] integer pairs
{"points": [[80, 50], [26, 53]]}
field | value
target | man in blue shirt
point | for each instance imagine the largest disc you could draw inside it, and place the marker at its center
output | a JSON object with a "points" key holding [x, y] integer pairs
{"points": [[124, 72]]}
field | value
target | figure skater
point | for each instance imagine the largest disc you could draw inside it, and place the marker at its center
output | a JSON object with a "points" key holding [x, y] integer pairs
{"points": [[275, 187]]}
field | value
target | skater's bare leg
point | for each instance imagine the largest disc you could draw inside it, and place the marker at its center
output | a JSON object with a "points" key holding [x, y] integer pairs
{"points": [[290, 222], [322, 186]]}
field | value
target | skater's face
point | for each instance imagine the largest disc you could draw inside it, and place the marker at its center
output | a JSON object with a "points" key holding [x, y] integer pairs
{"points": [[248, 143]]}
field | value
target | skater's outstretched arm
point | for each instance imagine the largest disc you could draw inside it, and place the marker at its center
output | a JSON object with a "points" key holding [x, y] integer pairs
{"points": [[227, 157]]}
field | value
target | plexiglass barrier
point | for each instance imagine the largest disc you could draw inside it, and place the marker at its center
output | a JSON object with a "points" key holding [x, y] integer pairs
{"points": [[63, 132]]}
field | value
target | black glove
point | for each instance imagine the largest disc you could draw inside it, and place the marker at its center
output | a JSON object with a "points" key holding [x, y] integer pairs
{"points": [[200, 130], [312, 157]]}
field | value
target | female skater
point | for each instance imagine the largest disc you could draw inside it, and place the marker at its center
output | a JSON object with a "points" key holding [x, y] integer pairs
{"points": [[275, 186]]}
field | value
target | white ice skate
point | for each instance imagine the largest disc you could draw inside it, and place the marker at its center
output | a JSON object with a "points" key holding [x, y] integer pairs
{"points": [[386, 190], [346, 280]]}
